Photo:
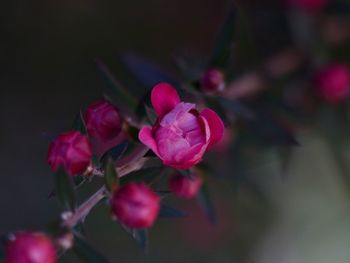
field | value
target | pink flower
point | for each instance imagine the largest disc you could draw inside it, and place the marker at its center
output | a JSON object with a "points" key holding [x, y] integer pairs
{"points": [[181, 134], [185, 187], [136, 205], [30, 248], [72, 151], [333, 83], [311, 6], [103, 121], [212, 80]]}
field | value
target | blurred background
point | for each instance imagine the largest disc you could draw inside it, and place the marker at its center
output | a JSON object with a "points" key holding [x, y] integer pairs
{"points": [[294, 211]]}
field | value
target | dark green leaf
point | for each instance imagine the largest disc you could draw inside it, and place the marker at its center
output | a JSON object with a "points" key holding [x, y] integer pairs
{"points": [[115, 153], [79, 123], [86, 252], [116, 91], [111, 176], [64, 188], [222, 50], [147, 72], [238, 108], [170, 212], [206, 203], [141, 236], [78, 181], [151, 114], [146, 175]]}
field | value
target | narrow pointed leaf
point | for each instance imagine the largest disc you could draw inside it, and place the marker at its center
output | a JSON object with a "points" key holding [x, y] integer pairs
{"points": [[115, 153], [206, 203], [79, 123], [86, 252], [64, 188], [171, 212], [141, 236], [222, 49], [151, 115], [116, 91], [111, 176]]}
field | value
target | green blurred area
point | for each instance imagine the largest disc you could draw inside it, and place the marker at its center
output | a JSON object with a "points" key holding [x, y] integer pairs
{"points": [[299, 214]]}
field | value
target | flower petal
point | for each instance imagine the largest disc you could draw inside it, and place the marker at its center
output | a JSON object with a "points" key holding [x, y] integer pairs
{"points": [[145, 136], [164, 98], [216, 125]]}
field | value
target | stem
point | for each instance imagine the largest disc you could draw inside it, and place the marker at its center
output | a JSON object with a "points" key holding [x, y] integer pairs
{"points": [[82, 211]]}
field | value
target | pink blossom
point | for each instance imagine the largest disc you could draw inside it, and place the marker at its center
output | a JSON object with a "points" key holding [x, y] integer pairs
{"points": [[72, 151], [332, 82], [185, 187], [30, 248], [181, 134], [136, 205]]}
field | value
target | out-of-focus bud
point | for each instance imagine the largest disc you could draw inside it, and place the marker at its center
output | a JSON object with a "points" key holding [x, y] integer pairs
{"points": [[185, 187], [135, 205], [65, 241], [332, 83], [30, 248], [310, 6], [103, 121], [72, 151], [212, 80]]}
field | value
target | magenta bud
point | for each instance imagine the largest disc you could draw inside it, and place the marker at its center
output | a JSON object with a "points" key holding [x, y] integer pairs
{"points": [[72, 151], [185, 187], [30, 248], [332, 83], [103, 121], [135, 205], [212, 80]]}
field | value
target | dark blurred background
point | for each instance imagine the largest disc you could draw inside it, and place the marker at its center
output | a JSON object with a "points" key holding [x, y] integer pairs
{"points": [[48, 73]]}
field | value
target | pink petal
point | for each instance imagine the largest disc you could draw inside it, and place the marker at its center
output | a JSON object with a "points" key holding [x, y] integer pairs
{"points": [[145, 136], [164, 98], [216, 125]]}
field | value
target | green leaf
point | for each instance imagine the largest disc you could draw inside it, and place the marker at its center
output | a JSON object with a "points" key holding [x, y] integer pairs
{"points": [[79, 123], [146, 175], [206, 203], [116, 91], [222, 49], [64, 188], [140, 235], [151, 115], [86, 252], [111, 176], [171, 212], [115, 153]]}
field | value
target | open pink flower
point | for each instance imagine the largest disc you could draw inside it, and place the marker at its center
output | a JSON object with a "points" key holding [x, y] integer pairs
{"points": [[181, 134]]}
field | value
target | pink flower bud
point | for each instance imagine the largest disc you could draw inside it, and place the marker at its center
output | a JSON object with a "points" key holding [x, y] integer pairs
{"points": [[212, 80], [185, 187], [30, 248], [181, 134], [103, 121], [136, 205], [333, 83], [310, 6], [72, 151]]}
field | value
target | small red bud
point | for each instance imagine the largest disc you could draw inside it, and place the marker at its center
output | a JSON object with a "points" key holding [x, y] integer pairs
{"points": [[185, 187], [103, 121], [333, 83], [135, 205], [72, 151], [212, 80], [30, 248]]}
